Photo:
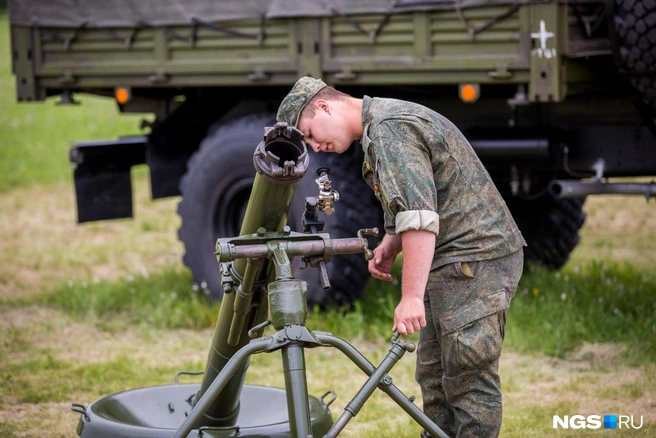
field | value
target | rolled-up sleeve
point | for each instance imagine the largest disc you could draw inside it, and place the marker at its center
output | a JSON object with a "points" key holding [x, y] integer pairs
{"points": [[422, 220]]}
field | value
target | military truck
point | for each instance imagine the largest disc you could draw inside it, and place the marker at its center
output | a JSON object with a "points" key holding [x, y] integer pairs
{"points": [[554, 96]]}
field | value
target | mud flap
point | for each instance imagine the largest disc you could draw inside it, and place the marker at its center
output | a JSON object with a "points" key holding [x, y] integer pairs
{"points": [[103, 187]]}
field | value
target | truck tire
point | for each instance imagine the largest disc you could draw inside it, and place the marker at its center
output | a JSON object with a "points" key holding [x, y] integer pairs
{"points": [[550, 227], [215, 192], [358, 208], [635, 46]]}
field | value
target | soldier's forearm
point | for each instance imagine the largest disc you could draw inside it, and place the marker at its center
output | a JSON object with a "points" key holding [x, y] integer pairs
{"points": [[418, 249], [393, 241]]}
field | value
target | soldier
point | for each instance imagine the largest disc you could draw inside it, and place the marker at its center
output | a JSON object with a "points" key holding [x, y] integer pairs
{"points": [[462, 251]]}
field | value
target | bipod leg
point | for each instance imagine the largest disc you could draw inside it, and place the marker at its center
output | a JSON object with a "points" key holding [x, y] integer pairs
{"points": [[377, 378], [298, 405], [255, 346], [293, 339]]}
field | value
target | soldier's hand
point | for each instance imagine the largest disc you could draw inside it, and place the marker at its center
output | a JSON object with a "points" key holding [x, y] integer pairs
{"points": [[380, 266], [409, 316]]}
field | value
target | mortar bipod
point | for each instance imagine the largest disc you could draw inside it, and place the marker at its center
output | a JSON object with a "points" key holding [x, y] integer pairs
{"points": [[288, 310]]}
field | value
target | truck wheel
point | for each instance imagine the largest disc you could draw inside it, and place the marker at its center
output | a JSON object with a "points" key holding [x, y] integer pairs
{"points": [[215, 192], [550, 227], [635, 45]]}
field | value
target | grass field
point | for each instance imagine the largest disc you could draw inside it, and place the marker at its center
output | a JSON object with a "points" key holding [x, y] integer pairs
{"points": [[35, 140], [86, 311]]}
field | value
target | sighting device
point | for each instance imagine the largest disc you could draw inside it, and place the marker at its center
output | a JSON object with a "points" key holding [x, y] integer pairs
{"points": [[260, 290]]}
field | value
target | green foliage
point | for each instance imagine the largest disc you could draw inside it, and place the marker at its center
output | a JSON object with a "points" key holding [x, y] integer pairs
{"points": [[45, 379], [556, 312], [370, 317], [35, 136], [162, 301], [13, 340], [532, 417]]}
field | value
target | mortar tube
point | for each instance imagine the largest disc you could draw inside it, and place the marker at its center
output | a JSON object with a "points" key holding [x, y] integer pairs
{"points": [[224, 410], [280, 160], [243, 299]]}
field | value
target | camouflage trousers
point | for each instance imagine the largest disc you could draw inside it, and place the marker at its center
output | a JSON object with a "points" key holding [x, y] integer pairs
{"points": [[459, 349]]}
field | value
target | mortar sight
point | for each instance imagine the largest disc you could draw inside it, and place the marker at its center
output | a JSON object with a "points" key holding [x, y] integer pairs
{"points": [[282, 156]]}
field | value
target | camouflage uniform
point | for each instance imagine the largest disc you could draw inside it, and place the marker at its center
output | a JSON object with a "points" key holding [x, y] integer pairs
{"points": [[424, 172], [427, 177]]}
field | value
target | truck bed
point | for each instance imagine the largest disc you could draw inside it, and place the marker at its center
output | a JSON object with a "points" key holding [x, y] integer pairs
{"points": [[484, 42]]}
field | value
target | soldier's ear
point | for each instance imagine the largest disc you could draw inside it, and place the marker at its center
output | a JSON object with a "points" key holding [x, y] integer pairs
{"points": [[323, 105]]}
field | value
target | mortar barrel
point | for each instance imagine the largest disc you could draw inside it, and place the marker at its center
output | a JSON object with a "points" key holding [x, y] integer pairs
{"points": [[280, 160]]}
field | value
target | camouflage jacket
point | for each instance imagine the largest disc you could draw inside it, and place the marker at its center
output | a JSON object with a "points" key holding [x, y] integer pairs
{"points": [[427, 176]]}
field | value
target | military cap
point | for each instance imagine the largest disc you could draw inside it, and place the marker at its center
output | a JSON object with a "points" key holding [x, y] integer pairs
{"points": [[300, 95]]}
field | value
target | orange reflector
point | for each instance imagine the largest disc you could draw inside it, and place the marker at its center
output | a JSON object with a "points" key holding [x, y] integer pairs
{"points": [[122, 95], [469, 93]]}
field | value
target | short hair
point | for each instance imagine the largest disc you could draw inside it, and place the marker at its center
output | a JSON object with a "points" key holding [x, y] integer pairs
{"points": [[326, 93]]}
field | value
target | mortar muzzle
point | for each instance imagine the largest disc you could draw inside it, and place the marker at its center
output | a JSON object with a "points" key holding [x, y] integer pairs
{"points": [[282, 156]]}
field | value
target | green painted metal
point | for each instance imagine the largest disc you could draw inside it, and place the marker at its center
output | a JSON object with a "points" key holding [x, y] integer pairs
{"points": [[221, 405], [484, 44], [245, 304], [158, 412], [547, 84], [23, 65], [378, 377], [293, 359], [386, 384], [286, 309]]}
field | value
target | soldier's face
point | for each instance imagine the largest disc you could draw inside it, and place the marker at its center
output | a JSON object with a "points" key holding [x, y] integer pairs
{"points": [[326, 131]]}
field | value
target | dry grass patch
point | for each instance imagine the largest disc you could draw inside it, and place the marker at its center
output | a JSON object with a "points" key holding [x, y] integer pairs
{"points": [[42, 246], [535, 388]]}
